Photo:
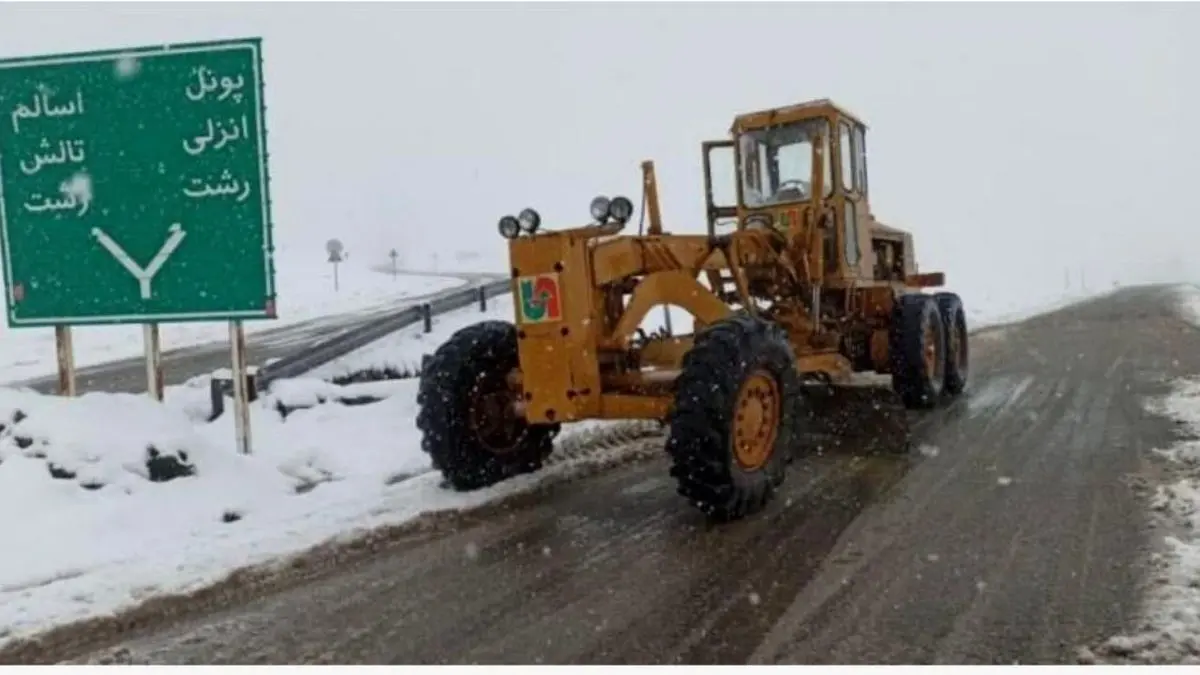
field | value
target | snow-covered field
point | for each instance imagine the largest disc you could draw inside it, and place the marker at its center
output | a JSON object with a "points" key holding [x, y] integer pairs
{"points": [[306, 292], [95, 534]]}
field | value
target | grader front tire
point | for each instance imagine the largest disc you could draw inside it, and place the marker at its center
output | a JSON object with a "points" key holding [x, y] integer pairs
{"points": [[734, 417], [468, 426]]}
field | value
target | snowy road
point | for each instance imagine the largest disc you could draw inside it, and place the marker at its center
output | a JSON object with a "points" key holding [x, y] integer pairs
{"points": [[1015, 535], [129, 375]]}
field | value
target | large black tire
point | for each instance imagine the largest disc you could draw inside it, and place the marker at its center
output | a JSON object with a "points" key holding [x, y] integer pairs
{"points": [[918, 351], [726, 356], [958, 350], [466, 373]]}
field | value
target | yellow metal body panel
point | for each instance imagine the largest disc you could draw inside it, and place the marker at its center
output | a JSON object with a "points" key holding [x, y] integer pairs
{"points": [[560, 372]]}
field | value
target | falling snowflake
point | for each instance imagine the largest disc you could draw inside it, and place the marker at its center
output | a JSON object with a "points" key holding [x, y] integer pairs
{"points": [[126, 67], [79, 188]]}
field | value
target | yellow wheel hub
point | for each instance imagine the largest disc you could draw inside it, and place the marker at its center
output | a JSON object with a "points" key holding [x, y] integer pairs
{"points": [[756, 420]]}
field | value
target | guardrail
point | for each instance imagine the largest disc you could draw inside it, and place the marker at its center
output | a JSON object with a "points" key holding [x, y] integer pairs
{"points": [[309, 359]]}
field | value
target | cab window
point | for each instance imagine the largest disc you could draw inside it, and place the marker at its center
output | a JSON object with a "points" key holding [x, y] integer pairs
{"points": [[849, 158], [777, 163]]}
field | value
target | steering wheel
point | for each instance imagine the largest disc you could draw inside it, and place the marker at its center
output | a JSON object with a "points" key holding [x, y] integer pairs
{"points": [[801, 186]]}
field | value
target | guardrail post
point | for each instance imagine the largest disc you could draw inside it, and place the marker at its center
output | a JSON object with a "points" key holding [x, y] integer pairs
{"points": [[427, 317], [483, 298], [252, 385], [220, 387], [216, 392]]}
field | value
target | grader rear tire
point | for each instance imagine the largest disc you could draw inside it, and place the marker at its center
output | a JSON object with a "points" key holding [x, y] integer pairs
{"points": [[918, 351], [735, 417], [958, 352], [468, 427]]}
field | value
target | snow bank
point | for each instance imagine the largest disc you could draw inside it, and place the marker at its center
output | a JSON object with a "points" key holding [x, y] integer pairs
{"points": [[101, 532], [1170, 633], [115, 442], [91, 527]]}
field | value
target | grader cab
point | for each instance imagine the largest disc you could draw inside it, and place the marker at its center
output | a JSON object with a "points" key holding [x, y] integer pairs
{"points": [[794, 289]]}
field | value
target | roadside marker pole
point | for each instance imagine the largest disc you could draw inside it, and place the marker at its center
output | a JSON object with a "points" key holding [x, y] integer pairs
{"points": [[66, 360], [154, 371], [241, 402]]}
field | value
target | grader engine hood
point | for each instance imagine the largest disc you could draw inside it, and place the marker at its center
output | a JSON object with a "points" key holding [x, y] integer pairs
{"points": [[554, 300]]}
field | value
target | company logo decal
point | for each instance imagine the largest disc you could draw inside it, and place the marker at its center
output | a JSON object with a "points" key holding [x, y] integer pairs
{"points": [[541, 300]]}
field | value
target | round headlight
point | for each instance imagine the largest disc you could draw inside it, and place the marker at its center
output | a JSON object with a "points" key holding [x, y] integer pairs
{"points": [[509, 227], [599, 208], [621, 209], [529, 220]]}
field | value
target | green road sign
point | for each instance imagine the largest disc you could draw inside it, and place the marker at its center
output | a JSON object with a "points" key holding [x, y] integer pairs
{"points": [[133, 186]]}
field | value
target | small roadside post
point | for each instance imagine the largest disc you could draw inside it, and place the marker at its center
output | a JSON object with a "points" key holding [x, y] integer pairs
{"points": [[394, 255], [90, 236], [335, 249]]}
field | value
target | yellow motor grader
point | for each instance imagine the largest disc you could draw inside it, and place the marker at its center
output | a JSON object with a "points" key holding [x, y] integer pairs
{"points": [[795, 286]]}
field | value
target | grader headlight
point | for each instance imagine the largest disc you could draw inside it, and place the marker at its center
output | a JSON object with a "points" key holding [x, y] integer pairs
{"points": [[621, 209], [599, 209], [510, 228], [529, 221]]}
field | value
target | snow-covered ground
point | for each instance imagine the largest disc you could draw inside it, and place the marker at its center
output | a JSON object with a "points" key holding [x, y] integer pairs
{"points": [[1170, 632], [306, 292], [96, 534]]}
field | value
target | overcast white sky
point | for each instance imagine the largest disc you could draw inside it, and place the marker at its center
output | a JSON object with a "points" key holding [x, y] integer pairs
{"points": [[1014, 140]]}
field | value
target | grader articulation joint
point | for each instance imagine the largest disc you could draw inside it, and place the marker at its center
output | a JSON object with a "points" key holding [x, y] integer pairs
{"points": [[794, 289]]}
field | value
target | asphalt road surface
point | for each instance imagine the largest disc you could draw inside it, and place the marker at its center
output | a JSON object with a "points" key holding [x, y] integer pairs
{"points": [[182, 364], [1014, 534]]}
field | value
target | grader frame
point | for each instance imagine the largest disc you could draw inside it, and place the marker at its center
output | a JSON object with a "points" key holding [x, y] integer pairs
{"points": [[807, 286]]}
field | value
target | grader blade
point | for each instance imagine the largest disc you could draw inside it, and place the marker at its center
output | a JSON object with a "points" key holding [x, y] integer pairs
{"points": [[861, 418]]}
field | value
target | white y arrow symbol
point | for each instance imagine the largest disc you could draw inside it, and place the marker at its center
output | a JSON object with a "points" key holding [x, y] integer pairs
{"points": [[144, 276]]}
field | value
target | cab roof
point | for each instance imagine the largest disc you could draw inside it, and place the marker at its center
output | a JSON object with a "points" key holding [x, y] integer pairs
{"points": [[791, 113]]}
